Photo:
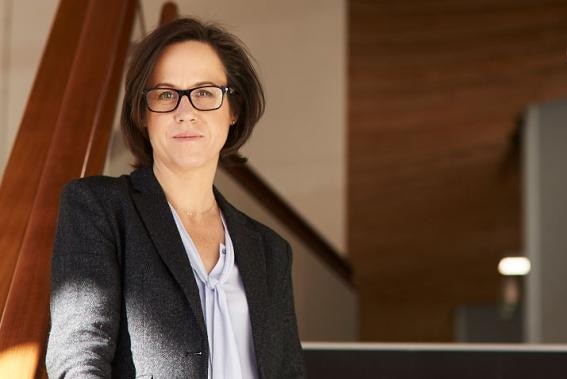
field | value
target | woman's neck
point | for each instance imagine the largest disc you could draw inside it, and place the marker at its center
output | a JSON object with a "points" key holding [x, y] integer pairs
{"points": [[190, 191]]}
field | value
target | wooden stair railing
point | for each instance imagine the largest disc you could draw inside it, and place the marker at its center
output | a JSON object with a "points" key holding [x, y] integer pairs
{"points": [[25, 165], [276, 205], [63, 132]]}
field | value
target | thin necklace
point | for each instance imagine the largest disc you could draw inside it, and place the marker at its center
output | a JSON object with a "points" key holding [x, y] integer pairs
{"points": [[191, 213]]}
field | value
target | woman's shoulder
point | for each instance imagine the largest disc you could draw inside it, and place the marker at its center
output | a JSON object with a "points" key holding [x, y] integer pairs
{"points": [[258, 228], [99, 183], [103, 188], [267, 232]]}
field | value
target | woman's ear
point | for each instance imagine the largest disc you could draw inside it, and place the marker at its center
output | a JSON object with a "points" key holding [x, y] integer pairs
{"points": [[233, 119]]}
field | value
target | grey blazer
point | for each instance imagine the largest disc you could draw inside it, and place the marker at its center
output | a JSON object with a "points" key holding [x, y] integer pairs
{"points": [[124, 301]]}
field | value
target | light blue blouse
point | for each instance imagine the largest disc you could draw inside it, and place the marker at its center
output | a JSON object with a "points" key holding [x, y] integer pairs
{"points": [[225, 310]]}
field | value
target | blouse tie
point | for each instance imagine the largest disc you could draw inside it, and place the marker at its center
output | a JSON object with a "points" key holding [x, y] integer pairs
{"points": [[224, 361]]}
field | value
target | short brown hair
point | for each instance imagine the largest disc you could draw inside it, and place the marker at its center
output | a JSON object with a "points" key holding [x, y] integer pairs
{"points": [[247, 100]]}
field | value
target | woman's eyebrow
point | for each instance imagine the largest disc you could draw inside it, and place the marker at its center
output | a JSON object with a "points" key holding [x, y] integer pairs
{"points": [[198, 84], [169, 85], [204, 83]]}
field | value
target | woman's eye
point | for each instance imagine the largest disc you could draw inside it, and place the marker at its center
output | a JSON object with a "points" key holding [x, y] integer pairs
{"points": [[203, 93], [166, 95]]}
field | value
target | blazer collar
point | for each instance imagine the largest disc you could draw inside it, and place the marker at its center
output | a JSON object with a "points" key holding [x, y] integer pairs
{"points": [[249, 250]]}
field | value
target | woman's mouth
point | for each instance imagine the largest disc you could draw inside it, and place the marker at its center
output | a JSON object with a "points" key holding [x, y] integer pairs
{"points": [[187, 137]]}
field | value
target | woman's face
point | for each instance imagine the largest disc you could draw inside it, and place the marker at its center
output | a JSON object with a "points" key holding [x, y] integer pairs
{"points": [[187, 138]]}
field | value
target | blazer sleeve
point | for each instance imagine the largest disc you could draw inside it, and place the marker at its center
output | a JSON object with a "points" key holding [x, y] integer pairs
{"points": [[294, 366], [85, 289]]}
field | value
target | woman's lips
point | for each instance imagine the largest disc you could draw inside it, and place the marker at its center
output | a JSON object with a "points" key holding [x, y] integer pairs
{"points": [[187, 137]]}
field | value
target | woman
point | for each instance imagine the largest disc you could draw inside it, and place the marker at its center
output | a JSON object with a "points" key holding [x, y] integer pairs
{"points": [[155, 274]]}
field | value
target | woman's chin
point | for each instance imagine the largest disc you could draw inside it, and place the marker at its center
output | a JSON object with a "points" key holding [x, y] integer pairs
{"points": [[195, 163]]}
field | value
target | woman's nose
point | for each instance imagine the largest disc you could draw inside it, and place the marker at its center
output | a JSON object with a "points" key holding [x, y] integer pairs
{"points": [[185, 110]]}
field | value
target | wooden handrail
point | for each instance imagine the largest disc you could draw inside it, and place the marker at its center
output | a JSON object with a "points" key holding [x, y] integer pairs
{"points": [[169, 12], [87, 106], [270, 200]]}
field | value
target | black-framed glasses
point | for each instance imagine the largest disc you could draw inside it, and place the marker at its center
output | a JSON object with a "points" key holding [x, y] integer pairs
{"points": [[204, 98]]}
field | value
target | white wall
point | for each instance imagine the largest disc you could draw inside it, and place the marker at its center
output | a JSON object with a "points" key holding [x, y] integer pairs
{"points": [[5, 27], [24, 30], [545, 217]]}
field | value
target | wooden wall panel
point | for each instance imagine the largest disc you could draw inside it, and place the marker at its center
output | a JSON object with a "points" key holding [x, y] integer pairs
{"points": [[435, 92]]}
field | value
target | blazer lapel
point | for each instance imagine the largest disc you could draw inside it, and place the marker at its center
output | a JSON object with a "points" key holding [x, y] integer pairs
{"points": [[250, 258], [249, 253], [154, 211]]}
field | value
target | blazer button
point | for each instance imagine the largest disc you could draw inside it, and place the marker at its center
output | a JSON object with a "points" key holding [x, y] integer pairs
{"points": [[188, 353]]}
